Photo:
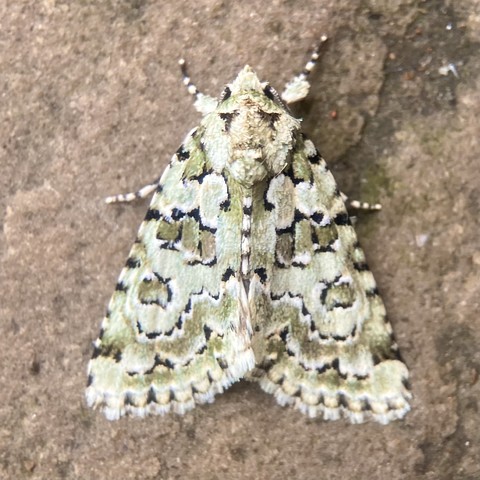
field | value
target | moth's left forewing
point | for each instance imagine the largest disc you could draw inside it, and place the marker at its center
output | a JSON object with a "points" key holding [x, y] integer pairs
{"points": [[177, 331], [323, 342]]}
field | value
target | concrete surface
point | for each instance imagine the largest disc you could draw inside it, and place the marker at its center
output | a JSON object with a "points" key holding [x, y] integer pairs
{"points": [[91, 104]]}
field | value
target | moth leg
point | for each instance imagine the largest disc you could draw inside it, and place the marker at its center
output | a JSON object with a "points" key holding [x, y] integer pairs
{"points": [[130, 196], [297, 88], [359, 205], [203, 103]]}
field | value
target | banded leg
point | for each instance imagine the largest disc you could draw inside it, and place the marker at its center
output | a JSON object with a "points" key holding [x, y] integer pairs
{"points": [[358, 205], [130, 196]]}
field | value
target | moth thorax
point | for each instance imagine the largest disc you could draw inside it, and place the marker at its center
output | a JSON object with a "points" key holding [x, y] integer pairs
{"points": [[248, 166], [257, 147]]}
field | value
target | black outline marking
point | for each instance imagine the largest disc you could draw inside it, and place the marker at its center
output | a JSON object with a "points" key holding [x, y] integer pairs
{"points": [[342, 219], [342, 401], [201, 177], [167, 363], [366, 405], [372, 293], [247, 209], [151, 395], [162, 281], [229, 272], [128, 399], [207, 331], [225, 205], [315, 158], [341, 305], [121, 287], [317, 218], [284, 335], [271, 118], [177, 214], [153, 335], [300, 265], [222, 363], [361, 267], [298, 393], [195, 214], [336, 366], [287, 230], [324, 293], [110, 351], [178, 324], [226, 94], [227, 118], [376, 359], [269, 206], [96, 352], [326, 249], [262, 274], [182, 154], [266, 364], [132, 263], [152, 214], [210, 263], [200, 351], [298, 216]]}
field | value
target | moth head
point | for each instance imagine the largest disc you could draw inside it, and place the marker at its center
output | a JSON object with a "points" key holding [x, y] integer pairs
{"points": [[247, 82]]}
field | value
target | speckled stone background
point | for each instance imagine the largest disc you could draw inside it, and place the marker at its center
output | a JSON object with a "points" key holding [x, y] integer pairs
{"points": [[92, 104]]}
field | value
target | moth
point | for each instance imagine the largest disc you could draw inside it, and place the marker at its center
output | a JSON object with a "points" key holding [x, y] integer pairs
{"points": [[247, 266]]}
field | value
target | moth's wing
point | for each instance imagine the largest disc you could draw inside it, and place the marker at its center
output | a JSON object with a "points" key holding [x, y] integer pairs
{"points": [[177, 329], [322, 341]]}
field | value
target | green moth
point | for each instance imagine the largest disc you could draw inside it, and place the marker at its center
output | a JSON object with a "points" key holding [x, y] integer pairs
{"points": [[247, 266]]}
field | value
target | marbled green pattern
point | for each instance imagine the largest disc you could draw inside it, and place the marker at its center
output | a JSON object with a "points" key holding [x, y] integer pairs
{"points": [[247, 266]]}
